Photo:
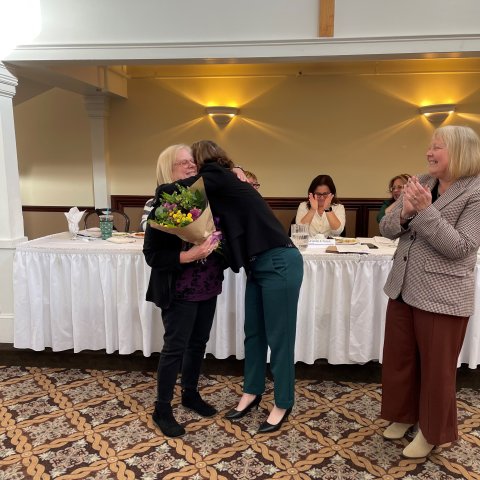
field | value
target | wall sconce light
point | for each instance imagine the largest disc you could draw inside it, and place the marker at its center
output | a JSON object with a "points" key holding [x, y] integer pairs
{"points": [[437, 113], [222, 115]]}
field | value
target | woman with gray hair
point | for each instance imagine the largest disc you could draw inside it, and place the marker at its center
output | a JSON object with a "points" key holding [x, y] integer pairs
{"points": [[185, 281], [431, 290]]}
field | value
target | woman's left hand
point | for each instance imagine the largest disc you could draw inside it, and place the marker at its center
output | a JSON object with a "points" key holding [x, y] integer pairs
{"points": [[240, 174], [328, 201], [417, 195]]}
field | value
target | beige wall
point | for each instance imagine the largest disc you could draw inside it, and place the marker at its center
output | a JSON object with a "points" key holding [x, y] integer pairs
{"points": [[40, 224], [53, 144], [360, 127]]}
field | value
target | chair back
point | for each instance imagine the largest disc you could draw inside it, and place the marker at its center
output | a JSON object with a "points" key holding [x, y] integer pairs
{"points": [[121, 222], [292, 222]]}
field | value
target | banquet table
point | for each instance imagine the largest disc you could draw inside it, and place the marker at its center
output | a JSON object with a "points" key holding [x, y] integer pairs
{"points": [[90, 295]]}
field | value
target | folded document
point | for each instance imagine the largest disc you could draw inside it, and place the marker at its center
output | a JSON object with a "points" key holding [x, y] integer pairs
{"points": [[356, 248]]}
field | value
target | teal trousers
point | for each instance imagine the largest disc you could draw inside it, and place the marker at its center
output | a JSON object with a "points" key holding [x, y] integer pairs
{"points": [[271, 299]]}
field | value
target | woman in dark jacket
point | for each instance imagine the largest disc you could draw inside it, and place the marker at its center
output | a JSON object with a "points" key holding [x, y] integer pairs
{"points": [[255, 239], [184, 282]]}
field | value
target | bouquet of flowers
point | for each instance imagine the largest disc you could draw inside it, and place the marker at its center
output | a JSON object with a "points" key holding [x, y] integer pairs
{"points": [[185, 213]]}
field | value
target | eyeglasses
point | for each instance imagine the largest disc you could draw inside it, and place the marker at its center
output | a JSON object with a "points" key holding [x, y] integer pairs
{"points": [[396, 187], [324, 194], [436, 147], [256, 185], [184, 163]]}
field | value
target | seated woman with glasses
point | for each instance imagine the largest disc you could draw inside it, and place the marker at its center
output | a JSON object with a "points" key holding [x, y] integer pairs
{"points": [[395, 187], [252, 179], [322, 212]]}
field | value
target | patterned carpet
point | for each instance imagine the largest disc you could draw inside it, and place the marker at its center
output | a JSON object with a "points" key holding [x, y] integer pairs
{"points": [[92, 424]]}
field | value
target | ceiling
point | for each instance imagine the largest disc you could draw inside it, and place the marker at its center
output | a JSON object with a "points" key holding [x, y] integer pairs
{"points": [[35, 79]]}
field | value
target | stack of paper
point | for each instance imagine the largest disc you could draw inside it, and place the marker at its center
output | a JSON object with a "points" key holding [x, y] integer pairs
{"points": [[356, 248]]}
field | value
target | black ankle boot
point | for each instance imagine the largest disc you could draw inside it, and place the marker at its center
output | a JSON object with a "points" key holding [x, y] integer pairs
{"points": [[192, 400], [163, 417]]}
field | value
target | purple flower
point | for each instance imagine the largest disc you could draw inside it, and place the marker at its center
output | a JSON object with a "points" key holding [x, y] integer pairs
{"points": [[216, 237], [196, 212]]}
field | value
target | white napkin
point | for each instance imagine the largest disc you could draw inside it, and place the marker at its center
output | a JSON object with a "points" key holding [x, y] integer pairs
{"points": [[385, 242], [74, 215]]}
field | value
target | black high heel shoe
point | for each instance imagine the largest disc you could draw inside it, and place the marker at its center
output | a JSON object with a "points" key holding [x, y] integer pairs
{"points": [[266, 427], [236, 414]]}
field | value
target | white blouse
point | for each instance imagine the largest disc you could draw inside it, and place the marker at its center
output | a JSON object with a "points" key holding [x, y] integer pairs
{"points": [[320, 223]]}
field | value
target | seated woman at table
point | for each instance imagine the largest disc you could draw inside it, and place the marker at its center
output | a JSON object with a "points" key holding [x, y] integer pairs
{"points": [[256, 241], [431, 288], [395, 187], [322, 212], [184, 282], [252, 179]]}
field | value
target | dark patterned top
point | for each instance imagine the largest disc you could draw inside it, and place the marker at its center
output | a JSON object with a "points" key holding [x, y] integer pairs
{"points": [[200, 280]]}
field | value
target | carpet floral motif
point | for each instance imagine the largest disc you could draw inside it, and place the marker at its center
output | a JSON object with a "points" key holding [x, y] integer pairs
{"points": [[89, 424]]}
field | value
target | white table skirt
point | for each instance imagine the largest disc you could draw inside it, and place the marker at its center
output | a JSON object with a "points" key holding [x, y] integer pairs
{"points": [[90, 296]]}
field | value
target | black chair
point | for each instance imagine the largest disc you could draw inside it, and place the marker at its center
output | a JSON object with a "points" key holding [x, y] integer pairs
{"points": [[121, 222], [292, 222]]}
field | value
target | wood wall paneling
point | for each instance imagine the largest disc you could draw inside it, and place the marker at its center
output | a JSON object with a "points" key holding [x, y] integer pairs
{"points": [[46, 220]]}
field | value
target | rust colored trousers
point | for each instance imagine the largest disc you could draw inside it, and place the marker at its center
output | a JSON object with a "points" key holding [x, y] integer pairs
{"points": [[419, 368]]}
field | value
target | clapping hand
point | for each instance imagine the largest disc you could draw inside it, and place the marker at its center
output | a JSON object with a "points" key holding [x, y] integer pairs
{"points": [[328, 201], [313, 201], [416, 197]]}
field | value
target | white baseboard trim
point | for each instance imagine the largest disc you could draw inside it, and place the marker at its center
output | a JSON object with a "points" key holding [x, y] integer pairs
{"points": [[6, 328]]}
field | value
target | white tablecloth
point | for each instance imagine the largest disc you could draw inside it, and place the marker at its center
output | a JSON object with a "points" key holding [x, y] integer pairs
{"points": [[91, 295]]}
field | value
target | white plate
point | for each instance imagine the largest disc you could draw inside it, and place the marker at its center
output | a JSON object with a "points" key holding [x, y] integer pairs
{"points": [[137, 235], [120, 240], [345, 241], [90, 232]]}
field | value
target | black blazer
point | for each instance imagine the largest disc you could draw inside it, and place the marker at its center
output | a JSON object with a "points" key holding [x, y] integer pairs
{"points": [[162, 254], [247, 222]]}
